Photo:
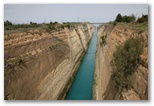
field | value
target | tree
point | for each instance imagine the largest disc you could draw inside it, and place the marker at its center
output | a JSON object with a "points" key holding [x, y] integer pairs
{"points": [[118, 18], [125, 18], [125, 61], [7, 23], [31, 23], [56, 22], [133, 17], [130, 18], [51, 22], [142, 19]]}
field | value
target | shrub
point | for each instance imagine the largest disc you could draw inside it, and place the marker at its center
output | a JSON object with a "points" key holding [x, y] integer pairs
{"points": [[51, 27], [65, 25], [68, 26], [62, 26], [125, 61], [114, 23], [103, 40]]}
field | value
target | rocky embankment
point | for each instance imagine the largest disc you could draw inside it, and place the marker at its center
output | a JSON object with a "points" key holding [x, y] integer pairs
{"points": [[42, 66], [104, 86]]}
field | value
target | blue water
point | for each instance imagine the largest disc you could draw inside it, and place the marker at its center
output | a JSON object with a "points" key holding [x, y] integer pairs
{"points": [[81, 88]]}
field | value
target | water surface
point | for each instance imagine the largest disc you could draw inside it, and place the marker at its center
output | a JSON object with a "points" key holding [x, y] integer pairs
{"points": [[81, 88]]}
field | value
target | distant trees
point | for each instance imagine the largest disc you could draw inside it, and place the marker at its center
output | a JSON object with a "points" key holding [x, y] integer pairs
{"points": [[56, 22], [128, 19], [33, 23], [7, 23], [125, 18], [131, 18], [142, 19], [65, 25], [53, 23]]}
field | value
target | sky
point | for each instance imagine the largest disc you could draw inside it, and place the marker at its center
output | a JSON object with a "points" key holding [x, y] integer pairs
{"points": [[24, 13]]}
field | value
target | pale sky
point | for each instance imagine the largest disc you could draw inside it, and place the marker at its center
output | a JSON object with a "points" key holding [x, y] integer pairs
{"points": [[24, 13]]}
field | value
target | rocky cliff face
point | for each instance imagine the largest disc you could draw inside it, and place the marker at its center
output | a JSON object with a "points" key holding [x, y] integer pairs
{"points": [[104, 87], [42, 66]]}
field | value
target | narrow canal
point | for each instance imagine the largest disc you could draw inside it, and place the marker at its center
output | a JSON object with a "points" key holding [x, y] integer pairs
{"points": [[81, 88]]}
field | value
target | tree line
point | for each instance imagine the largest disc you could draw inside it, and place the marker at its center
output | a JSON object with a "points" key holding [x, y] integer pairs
{"points": [[131, 18]]}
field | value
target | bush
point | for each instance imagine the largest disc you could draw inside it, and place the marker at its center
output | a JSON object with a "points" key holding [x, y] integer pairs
{"points": [[51, 27], [62, 26], [103, 40], [65, 25], [125, 61], [68, 26], [114, 23]]}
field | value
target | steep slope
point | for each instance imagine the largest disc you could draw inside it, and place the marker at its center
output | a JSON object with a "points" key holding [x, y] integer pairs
{"points": [[104, 87], [41, 66]]}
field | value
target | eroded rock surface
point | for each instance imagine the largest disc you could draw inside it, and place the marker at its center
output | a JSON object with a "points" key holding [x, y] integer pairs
{"points": [[104, 87], [41, 66]]}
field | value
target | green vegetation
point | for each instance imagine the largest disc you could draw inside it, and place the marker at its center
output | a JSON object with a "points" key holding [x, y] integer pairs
{"points": [[65, 25], [10, 28], [51, 27], [103, 40], [33, 23], [131, 18], [144, 18], [114, 23], [125, 61], [53, 23], [62, 26], [118, 18], [139, 26], [56, 22], [125, 18], [7, 23]]}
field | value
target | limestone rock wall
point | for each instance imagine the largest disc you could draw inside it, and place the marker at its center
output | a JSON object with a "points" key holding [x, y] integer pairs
{"points": [[104, 87], [41, 66]]}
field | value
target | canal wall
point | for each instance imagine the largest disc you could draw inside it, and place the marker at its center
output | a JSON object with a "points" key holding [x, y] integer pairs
{"points": [[104, 86], [42, 66], [81, 88]]}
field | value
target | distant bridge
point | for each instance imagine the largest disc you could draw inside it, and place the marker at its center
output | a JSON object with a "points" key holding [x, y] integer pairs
{"points": [[97, 23]]}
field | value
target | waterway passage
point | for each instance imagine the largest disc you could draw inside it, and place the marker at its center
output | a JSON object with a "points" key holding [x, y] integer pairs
{"points": [[81, 88]]}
